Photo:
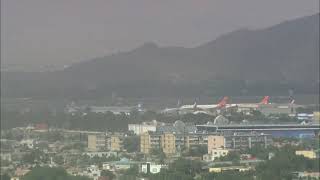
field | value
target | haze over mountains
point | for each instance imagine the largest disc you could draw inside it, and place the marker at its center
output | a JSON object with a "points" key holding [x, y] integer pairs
{"points": [[286, 53]]}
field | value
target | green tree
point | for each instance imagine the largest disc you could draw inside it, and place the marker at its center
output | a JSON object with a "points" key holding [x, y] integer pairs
{"points": [[187, 167], [131, 143], [199, 150], [108, 174], [231, 156], [170, 175], [5, 177], [46, 173]]}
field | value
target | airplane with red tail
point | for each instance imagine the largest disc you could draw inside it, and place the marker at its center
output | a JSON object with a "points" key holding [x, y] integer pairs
{"points": [[222, 104], [264, 101]]}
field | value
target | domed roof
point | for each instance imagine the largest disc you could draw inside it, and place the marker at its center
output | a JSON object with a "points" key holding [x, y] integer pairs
{"points": [[220, 120], [179, 125]]}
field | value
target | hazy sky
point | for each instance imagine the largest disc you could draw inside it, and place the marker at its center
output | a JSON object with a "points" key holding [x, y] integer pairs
{"points": [[65, 31]]}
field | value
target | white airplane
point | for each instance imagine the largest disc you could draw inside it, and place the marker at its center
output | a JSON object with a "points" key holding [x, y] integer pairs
{"points": [[264, 101], [206, 107]]}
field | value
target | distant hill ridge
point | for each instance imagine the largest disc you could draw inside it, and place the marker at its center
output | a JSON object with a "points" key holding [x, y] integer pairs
{"points": [[287, 52]]}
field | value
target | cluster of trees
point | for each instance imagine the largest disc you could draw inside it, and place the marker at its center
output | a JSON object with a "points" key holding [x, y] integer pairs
{"points": [[179, 169], [284, 163], [132, 143], [5, 177], [35, 156], [197, 151], [117, 122], [46, 173], [91, 121], [279, 167]]}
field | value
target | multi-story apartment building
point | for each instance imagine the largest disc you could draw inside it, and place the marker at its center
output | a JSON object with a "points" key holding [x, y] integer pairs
{"points": [[215, 153], [116, 142], [145, 143], [215, 142], [96, 142], [171, 143], [247, 140], [168, 143], [149, 141], [143, 127]]}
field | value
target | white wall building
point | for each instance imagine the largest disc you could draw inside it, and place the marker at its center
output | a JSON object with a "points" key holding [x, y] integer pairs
{"points": [[142, 128], [100, 154], [93, 172], [28, 142], [215, 153], [151, 168]]}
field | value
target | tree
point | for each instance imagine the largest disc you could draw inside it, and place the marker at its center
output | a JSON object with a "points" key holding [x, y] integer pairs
{"points": [[46, 173], [108, 174], [5, 177], [187, 167], [170, 175], [131, 143], [130, 174], [283, 164], [199, 150]]}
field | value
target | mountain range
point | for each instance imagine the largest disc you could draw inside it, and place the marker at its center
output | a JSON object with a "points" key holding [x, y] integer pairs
{"points": [[286, 53]]}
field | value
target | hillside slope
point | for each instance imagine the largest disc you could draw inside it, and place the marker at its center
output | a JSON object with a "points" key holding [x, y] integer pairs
{"points": [[287, 52]]}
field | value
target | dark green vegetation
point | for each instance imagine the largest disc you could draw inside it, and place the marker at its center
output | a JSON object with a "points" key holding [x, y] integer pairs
{"points": [[112, 122], [180, 169], [4, 177], [46, 173], [108, 174], [283, 163], [279, 167], [267, 61], [132, 144]]}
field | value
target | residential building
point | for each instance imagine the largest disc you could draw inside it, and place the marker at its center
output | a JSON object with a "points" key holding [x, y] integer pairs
{"points": [[230, 168], [93, 172], [168, 143], [215, 142], [151, 168], [165, 141], [308, 154], [101, 154], [96, 142], [214, 154], [316, 117], [246, 140], [142, 128], [116, 142], [306, 175], [145, 143], [28, 143], [123, 164], [148, 141]]}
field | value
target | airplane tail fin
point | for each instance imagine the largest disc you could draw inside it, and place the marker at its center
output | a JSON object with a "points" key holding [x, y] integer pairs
{"points": [[292, 100], [223, 102], [265, 100], [195, 105]]}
